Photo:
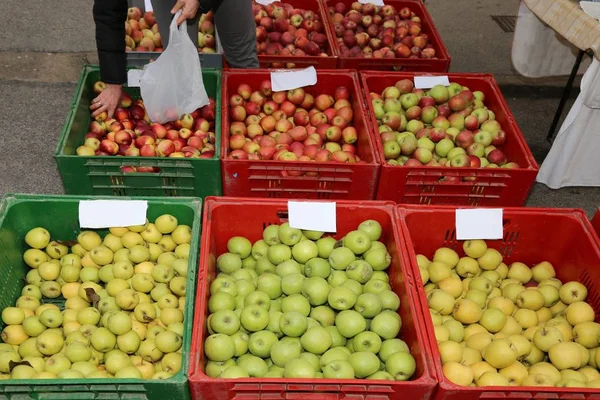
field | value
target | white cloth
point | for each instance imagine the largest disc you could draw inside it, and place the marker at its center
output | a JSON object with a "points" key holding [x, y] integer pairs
{"points": [[573, 159]]}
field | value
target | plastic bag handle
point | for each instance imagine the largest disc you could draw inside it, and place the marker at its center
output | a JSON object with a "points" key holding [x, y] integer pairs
{"points": [[174, 28]]}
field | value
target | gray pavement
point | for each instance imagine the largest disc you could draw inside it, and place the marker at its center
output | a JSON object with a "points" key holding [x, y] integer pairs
{"points": [[44, 43]]}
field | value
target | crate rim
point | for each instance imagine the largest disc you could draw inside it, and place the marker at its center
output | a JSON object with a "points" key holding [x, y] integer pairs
{"points": [[87, 69], [429, 376], [426, 16], [353, 74], [532, 163], [195, 203], [402, 211]]}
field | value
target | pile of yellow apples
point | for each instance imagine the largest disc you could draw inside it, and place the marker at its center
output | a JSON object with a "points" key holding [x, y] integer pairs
{"points": [[509, 325]]}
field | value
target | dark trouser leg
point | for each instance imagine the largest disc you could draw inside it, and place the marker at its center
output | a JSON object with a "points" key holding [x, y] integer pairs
{"points": [[162, 12], [237, 33]]}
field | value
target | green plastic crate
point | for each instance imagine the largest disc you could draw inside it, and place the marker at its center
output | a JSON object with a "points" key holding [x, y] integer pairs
{"points": [[102, 175], [59, 214]]}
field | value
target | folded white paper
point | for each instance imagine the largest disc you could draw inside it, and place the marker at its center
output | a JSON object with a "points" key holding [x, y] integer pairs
{"points": [[427, 82], [265, 2], [313, 216], [479, 223], [148, 5], [293, 79], [133, 77], [591, 8], [96, 214], [374, 2]]}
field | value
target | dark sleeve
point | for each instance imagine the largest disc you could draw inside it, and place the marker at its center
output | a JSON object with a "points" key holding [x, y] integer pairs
{"points": [[110, 16]]}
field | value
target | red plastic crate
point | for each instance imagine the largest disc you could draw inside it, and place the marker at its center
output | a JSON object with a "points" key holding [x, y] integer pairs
{"points": [[596, 222], [484, 186], [264, 178], [567, 243], [441, 64], [221, 221], [330, 62]]}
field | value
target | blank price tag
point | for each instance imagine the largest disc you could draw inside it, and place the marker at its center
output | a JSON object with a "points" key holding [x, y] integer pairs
{"points": [[97, 214], [133, 77], [265, 2], [427, 82], [374, 2], [479, 223], [148, 5], [293, 79], [312, 216]]}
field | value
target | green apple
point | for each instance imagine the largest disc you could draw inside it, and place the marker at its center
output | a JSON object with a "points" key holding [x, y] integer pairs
{"points": [[391, 346], [313, 235], [316, 340], [264, 265], [387, 324], [336, 278], [288, 235], [493, 320], [376, 286], [288, 267], [221, 301], [254, 318], [369, 305], [292, 284], [278, 253], [389, 300], [372, 228], [350, 323], [367, 341], [360, 271], [354, 286], [225, 321], [240, 340], [260, 343], [270, 284], [258, 298], [316, 290], [336, 336], [259, 249], [296, 302], [215, 368], [341, 298], [229, 262], [357, 241], [293, 324], [255, 367], [364, 363], [271, 235], [338, 353], [324, 315], [299, 368], [378, 258], [401, 365], [275, 323], [283, 352], [318, 267], [239, 245], [234, 372], [326, 245], [338, 369], [341, 257], [219, 347], [304, 251]]}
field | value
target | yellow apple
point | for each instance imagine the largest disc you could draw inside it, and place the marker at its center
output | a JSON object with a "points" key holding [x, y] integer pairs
{"points": [[500, 353], [515, 373], [565, 355], [458, 374], [543, 271]]}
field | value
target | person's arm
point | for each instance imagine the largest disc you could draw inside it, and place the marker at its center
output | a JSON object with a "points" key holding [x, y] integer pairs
{"points": [[110, 16]]}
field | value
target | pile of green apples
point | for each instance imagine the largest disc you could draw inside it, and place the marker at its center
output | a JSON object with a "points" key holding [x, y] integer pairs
{"points": [[124, 297], [509, 325], [296, 304]]}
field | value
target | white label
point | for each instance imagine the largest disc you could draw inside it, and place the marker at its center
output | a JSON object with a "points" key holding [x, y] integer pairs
{"points": [[479, 223], [133, 77], [427, 82], [96, 214], [148, 5], [313, 216], [293, 79], [374, 2], [265, 2]]}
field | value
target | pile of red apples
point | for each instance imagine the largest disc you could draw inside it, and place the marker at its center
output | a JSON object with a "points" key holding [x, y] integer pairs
{"points": [[369, 31], [292, 125], [131, 133], [141, 32], [287, 31], [445, 127]]}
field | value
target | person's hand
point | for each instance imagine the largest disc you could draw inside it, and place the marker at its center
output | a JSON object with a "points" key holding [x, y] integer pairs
{"points": [[107, 100], [189, 9]]}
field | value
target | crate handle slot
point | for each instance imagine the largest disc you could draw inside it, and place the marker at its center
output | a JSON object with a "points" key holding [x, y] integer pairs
{"points": [[282, 214]]}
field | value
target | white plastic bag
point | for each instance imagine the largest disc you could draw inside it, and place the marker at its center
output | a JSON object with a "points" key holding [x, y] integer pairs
{"points": [[172, 85]]}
